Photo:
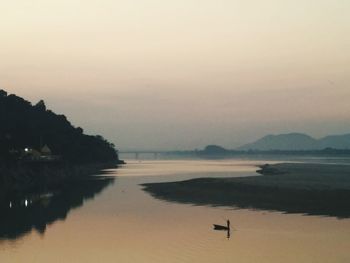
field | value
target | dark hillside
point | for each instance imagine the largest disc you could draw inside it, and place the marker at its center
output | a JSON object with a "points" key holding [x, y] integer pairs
{"points": [[23, 125]]}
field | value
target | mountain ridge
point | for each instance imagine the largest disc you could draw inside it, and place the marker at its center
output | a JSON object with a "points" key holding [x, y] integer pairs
{"points": [[297, 142]]}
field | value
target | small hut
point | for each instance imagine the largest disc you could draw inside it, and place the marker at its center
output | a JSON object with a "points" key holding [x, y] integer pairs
{"points": [[46, 151]]}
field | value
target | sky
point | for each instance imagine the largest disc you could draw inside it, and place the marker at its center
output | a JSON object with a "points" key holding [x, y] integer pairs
{"points": [[171, 75]]}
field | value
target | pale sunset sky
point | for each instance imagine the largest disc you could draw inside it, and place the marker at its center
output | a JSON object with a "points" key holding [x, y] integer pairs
{"points": [[159, 74]]}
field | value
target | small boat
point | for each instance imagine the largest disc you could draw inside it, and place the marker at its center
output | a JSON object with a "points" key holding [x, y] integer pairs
{"points": [[220, 227]]}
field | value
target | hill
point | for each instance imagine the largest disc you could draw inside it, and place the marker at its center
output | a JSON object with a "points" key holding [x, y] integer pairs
{"points": [[298, 142], [335, 141], [25, 127]]}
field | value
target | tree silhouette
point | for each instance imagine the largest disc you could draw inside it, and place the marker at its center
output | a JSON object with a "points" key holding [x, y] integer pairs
{"points": [[23, 125], [41, 105]]}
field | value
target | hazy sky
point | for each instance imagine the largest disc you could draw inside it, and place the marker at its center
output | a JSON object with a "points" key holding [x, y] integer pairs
{"points": [[160, 74]]}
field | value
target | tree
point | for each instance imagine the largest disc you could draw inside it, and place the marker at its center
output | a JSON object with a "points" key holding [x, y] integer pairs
{"points": [[41, 105], [3, 93], [27, 124]]}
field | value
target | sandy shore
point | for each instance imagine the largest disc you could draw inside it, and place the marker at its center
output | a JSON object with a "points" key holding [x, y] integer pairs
{"points": [[315, 189]]}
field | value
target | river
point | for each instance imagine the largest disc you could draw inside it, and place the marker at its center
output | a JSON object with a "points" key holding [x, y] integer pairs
{"points": [[119, 222]]}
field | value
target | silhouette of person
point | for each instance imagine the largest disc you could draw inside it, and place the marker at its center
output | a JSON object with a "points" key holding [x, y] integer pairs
{"points": [[228, 229]]}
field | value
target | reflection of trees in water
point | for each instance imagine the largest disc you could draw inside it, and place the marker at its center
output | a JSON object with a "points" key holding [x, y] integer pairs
{"points": [[36, 213]]}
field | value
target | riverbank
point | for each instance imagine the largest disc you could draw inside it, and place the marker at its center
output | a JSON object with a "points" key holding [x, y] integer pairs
{"points": [[41, 177], [315, 189]]}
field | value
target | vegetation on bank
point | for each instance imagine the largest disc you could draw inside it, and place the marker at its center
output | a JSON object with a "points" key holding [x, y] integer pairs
{"points": [[318, 189], [25, 127], [40, 149], [218, 152]]}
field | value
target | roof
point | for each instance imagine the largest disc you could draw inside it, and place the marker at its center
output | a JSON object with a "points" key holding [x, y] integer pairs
{"points": [[46, 149]]}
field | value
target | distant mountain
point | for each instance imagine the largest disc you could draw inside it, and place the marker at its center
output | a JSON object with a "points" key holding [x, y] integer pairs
{"points": [[335, 141], [214, 150], [298, 142]]}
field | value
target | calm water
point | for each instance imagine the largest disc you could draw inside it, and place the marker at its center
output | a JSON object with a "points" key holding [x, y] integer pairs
{"points": [[118, 222]]}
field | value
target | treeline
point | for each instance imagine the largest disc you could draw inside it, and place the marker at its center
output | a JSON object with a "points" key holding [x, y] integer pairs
{"points": [[23, 125], [215, 151]]}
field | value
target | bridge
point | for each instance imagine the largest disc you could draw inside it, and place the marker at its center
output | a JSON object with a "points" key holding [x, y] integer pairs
{"points": [[137, 153]]}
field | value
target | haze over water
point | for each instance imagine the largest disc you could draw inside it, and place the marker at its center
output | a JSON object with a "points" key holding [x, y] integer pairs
{"points": [[125, 224]]}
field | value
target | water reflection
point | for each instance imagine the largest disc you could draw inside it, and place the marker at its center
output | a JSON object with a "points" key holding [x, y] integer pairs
{"points": [[126, 224], [228, 232], [36, 211]]}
